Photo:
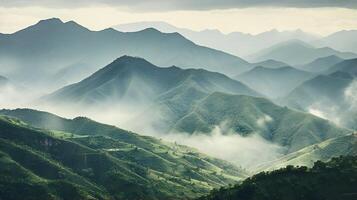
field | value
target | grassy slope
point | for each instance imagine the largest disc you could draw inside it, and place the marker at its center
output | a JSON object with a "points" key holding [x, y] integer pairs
{"points": [[113, 158], [324, 151]]}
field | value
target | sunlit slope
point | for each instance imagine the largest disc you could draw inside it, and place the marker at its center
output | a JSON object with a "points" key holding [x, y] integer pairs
{"points": [[119, 162], [324, 151]]}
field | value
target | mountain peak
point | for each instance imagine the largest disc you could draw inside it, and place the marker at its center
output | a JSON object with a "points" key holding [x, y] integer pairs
{"points": [[50, 21], [127, 58], [150, 30]]}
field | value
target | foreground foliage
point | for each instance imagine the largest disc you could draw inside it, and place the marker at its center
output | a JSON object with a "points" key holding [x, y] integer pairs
{"points": [[336, 179]]}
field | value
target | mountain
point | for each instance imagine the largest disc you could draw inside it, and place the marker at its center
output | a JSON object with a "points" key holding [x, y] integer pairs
{"points": [[296, 52], [136, 81], [347, 66], [244, 43], [329, 96], [83, 159], [324, 151], [342, 40], [321, 64], [274, 83], [44, 49], [335, 179], [246, 115], [270, 64]]}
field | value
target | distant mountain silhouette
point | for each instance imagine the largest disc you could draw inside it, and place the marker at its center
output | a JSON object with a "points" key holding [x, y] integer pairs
{"points": [[330, 95], [36, 53], [321, 64], [270, 64], [274, 83], [296, 52], [344, 40], [132, 79], [237, 43]]}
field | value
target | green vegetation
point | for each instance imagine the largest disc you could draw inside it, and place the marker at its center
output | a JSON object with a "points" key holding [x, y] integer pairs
{"points": [[324, 151], [248, 115], [336, 179], [83, 159]]}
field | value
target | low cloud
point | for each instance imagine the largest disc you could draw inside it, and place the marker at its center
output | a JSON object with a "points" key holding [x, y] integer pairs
{"points": [[351, 95], [248, 152]]}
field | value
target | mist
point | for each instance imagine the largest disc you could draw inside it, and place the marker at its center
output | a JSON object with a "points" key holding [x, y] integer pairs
{"points": [[343, 113], [248, 152], [350, 94]]}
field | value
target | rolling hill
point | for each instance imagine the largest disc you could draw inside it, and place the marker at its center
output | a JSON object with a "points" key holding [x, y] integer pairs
{"points": [[274, 83], [295, 52], [335, 179], [84, 159], [68, 44], [246, 115]]}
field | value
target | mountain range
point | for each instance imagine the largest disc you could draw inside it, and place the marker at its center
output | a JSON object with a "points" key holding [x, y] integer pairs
{"points": [[330, 95], [342, 40], [26, 54], [135, 80], [322, 64], [192, 101], [247, 115], [274, 82], [243, 43], [192, 119], [296, 52]]}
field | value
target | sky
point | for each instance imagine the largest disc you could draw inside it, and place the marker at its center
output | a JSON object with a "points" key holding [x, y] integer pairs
{"points": [[250, 16]]}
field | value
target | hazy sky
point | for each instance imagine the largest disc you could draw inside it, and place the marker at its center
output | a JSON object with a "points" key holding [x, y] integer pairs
{"points": [[253, 16]]}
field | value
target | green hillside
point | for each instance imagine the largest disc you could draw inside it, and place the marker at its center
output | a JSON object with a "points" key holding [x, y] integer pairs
{"points": [[247, 115], [324, 151], [98, 161], [336, 179]]}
